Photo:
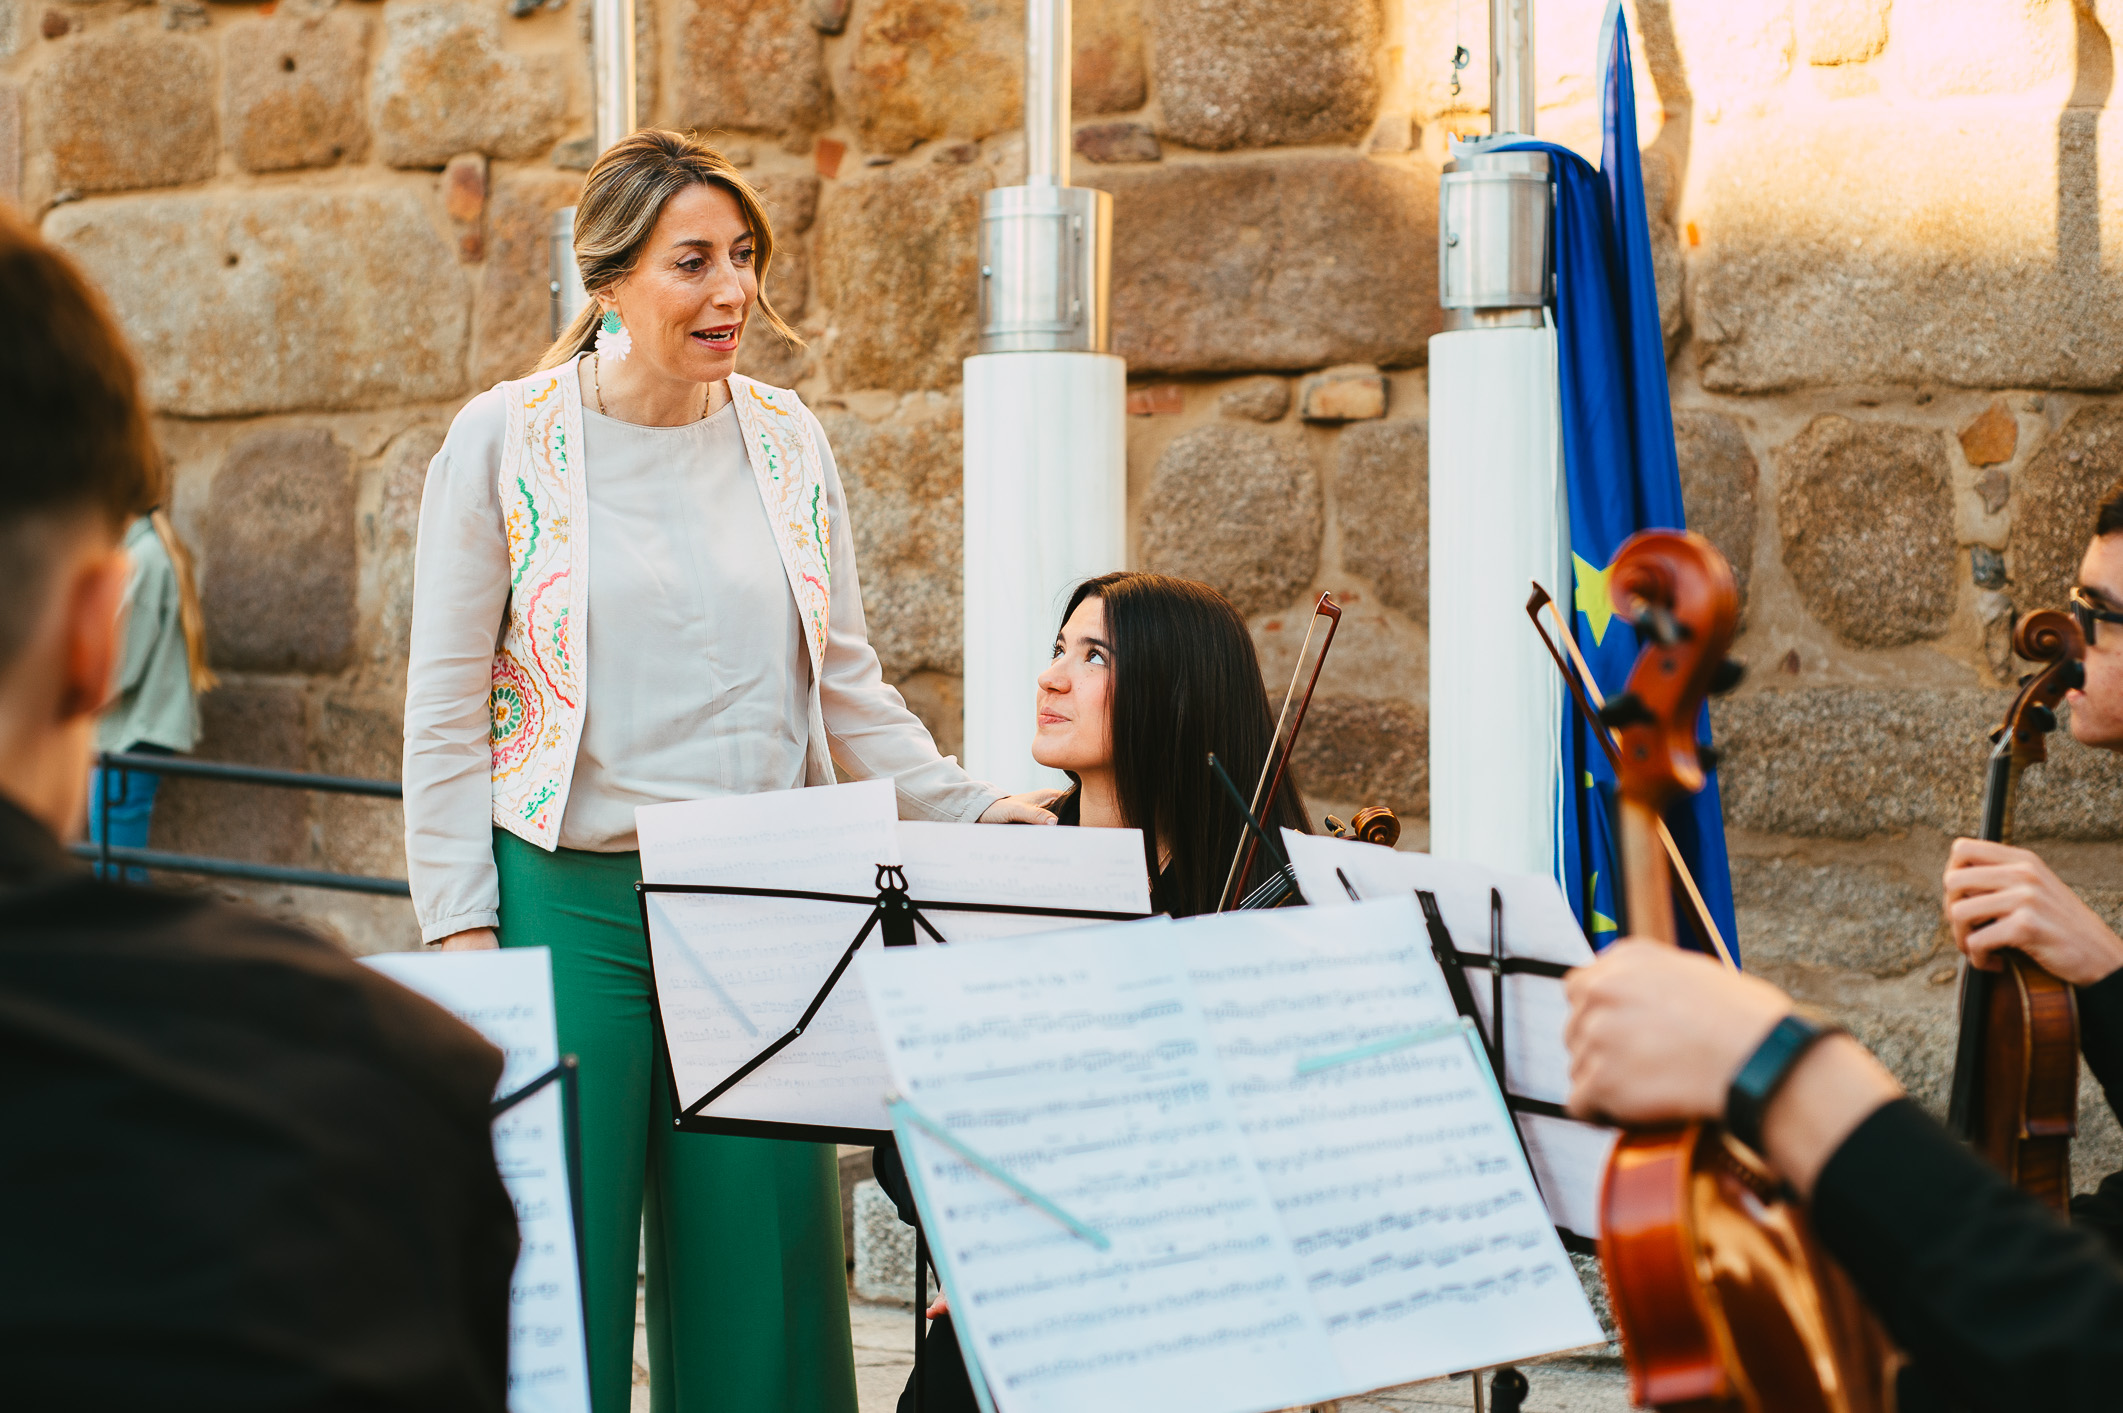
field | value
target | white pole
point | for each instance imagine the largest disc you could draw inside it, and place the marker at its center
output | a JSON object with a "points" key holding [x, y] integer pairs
{"points": [[612, 112], [612, 69], [1046, 469], [1498, 517]]}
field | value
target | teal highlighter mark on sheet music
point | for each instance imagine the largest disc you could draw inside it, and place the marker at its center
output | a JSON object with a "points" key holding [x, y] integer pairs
{"points": [[900, 1110]]}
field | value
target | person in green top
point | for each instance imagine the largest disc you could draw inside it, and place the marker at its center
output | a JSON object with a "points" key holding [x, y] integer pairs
{"points": [[154, 709]]}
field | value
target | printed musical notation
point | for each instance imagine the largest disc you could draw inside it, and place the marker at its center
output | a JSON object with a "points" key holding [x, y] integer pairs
{"points": [[507, 996], [1569, 1157], [734, 974], [1275, 1239]]}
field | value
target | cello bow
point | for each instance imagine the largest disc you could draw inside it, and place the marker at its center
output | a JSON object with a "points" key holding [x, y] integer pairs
{"points": [[1724, 1302], [2015, 1094], [1281, 745]]}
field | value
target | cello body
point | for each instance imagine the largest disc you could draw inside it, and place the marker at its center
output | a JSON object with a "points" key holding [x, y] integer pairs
{"points": [[2016, 1069], [1724, 1301]]}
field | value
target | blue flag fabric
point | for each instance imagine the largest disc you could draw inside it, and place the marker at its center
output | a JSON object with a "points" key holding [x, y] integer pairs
{"points": [[1622, 475]]}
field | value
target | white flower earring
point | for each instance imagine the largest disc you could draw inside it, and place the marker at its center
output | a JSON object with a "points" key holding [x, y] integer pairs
{"points": [[613, 338]]}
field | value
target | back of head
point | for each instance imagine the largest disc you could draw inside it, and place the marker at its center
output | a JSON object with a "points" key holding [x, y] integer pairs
{"points": [[79, 448], [1186, 682]]}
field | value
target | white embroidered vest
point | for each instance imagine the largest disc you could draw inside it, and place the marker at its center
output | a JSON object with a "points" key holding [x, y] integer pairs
{"points": [[539, 695]]}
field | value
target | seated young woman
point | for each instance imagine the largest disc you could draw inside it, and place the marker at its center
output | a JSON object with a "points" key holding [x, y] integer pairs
{"points": [[1150, 674]]}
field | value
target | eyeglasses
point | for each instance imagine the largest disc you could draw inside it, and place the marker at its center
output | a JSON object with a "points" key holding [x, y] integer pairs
{"points": [[2089, 611]]}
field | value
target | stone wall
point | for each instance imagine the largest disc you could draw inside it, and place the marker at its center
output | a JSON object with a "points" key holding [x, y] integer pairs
{"points": [[1893, 329]]}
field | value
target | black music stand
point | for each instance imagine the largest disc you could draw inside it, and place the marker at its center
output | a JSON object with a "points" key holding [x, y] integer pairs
{"points": [[890, 911], [896, 914], [1454, 963]]}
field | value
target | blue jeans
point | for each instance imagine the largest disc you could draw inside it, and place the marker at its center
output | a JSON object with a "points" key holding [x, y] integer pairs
{"points": [[132, 809]]}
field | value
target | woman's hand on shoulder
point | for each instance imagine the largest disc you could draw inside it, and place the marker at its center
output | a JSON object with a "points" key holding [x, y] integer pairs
{"points": [[1032, 807]]}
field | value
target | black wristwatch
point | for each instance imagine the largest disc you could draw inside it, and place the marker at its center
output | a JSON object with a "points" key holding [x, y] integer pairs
{"points": [[1765, 1072]]}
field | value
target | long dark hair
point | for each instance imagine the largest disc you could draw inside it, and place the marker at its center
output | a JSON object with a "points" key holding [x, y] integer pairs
{"points": [[1186, 682]]}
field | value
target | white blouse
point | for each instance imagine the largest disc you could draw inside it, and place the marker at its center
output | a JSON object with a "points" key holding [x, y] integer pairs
{"points": [[698, 676]]}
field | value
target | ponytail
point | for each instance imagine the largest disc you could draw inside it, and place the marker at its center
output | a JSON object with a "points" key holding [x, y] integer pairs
{"points": [[189, 615]]}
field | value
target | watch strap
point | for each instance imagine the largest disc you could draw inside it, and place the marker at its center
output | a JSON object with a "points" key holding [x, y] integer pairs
{"points": [[1747, 1101]]}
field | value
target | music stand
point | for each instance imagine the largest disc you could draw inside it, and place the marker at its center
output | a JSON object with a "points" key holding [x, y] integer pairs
{"points": [[895, 914], [1454, 963]]}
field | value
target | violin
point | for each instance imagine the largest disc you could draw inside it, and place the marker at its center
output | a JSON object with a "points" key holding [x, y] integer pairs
{"points": [[1724, 1301], [2016, 1068]]}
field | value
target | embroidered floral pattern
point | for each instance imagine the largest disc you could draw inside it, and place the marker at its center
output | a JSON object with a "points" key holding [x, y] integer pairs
{"points": [[516, 704], [537, 697], [791, 476], [537, 693]]}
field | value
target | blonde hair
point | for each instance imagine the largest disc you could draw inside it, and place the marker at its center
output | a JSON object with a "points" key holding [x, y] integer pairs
{"points": [[623, 198], [189, 615]]}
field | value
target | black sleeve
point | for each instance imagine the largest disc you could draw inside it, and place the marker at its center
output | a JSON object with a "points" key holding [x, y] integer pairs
{"points": [[1988, 1292], [2101, 1034], [891, 1175]]}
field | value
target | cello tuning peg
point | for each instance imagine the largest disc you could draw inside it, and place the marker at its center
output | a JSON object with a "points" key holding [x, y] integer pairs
{"points": [[1728, 675], [2041, 718], [1709, 756], [1338, 829]]}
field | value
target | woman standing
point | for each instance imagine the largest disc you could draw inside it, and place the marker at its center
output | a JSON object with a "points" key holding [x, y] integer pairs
{"points": [[635, 584], [156, 709]]}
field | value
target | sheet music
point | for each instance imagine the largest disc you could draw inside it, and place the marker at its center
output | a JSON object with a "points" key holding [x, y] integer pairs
{"points": [[1137, 1082], [733, 974], [1092, 1080], [1410, 1209], [827, 839], [507, 996], [1100, 870], [1569, 1157]]}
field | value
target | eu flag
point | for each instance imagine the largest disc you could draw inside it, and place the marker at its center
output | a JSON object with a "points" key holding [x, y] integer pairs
{"points": [[1622, 475]]}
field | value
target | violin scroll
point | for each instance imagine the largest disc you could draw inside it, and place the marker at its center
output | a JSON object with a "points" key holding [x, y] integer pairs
{"points": [[2051, 637], [1373, 824], [1679, 592]]}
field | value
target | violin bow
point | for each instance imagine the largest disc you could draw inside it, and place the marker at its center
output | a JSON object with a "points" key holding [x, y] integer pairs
{"points": [[1585, 691], [1281, 746]]}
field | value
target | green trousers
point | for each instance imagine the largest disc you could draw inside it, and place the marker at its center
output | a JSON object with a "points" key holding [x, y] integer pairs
{"points": [[747, 1281]]}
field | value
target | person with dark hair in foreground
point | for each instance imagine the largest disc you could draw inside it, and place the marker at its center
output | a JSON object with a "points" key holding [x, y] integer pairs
{"points": [[238, 1171], [1150, 674], [1992, 1297]]}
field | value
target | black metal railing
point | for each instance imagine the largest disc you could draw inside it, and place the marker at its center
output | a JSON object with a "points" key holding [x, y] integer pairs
{"points": [[109, 856]]}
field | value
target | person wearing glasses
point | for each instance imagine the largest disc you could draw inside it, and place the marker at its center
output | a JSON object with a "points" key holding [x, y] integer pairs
{"points": [[2000, 896]]}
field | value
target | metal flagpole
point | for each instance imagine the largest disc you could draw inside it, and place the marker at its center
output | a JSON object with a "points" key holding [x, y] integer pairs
{"points": [[1498, 517], [612, 87], [1046, 471]]}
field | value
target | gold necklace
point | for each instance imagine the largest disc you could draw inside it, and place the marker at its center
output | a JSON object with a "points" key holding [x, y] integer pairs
{"points": [[597, 387]]}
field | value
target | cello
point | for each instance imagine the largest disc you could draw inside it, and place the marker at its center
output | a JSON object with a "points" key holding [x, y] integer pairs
{"points": [[1724, 1301], [2016, 1068]]}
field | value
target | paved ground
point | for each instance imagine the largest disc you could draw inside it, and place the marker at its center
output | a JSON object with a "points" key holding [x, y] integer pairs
{"points": [[884, 1354]]}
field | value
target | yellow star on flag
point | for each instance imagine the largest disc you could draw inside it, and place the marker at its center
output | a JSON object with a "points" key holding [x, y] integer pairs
{"points": [[1591, 597], [1600, 921]]}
